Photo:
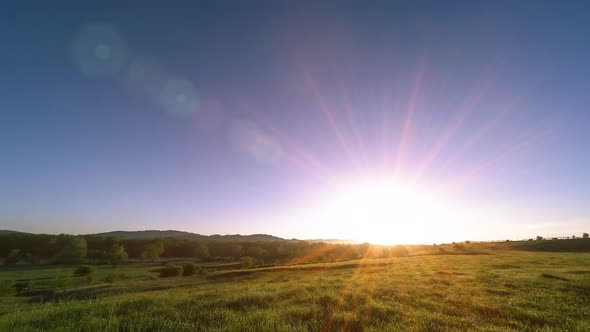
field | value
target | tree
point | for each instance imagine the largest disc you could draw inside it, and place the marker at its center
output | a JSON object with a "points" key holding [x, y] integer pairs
{"points": [[152, 250], [237, 251], [34, 260], [281, 251], [73, 250], [585, 236], [117, 255], [202, 251], [539, 238], [13, 257], [255, 251]]}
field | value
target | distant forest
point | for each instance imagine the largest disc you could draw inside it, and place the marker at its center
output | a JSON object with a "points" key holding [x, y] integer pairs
{"points": [[261, 249], [69, 249]]}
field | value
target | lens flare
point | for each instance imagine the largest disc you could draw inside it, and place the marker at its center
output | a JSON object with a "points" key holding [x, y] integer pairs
{"points": [[248, 138], [99, 50], [179, 97]]}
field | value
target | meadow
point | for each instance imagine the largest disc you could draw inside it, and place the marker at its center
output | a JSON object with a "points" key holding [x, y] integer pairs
{"points": [[485, 290]]}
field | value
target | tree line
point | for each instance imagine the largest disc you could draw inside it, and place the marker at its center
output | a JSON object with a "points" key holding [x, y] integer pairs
{"points": [[71, 249]]}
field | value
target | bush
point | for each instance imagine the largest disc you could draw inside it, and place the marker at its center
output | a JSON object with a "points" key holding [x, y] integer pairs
{"points": [[459, 246], [115, 276], [170, 270], [189, 269], [247, 262], [85, 270]]}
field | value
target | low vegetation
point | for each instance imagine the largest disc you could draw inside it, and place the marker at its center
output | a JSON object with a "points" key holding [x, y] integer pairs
{"points": [[189, 269], [481, 287], [85, 270], [170, 270]]}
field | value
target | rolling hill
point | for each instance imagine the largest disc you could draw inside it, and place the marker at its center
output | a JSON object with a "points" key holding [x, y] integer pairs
{"points": [[4, 232], [189, 236]]}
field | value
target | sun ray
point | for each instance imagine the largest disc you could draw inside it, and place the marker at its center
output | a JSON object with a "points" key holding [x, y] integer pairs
{"points": [[473, 140], [458, 119], [534, 136], [387, 107], [296, 154], [352, 123], [409, 116], [328, 113], [504, 112]]}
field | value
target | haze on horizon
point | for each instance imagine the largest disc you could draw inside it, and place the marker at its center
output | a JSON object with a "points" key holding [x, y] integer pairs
{"points": [[405, 122]]}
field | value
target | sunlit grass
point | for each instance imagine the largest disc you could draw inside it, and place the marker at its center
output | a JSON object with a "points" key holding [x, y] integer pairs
{"points": [[515, 291]]}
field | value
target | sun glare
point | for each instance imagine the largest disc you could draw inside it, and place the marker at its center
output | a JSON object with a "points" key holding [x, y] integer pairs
{"points": [[387, 211]]}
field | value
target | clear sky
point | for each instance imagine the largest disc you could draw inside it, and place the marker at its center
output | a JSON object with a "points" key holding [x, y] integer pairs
{"points": [[406, 121]]}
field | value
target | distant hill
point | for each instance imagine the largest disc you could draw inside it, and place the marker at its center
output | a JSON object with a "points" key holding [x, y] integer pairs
{"points": [[153, 234], [2, 232], [189, 236]]}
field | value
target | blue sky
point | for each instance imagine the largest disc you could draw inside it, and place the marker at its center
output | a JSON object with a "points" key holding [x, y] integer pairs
{"points": [[242, 119]]}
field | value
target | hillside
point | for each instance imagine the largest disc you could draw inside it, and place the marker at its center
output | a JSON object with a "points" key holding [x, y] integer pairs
{"points": [[4, 232], [189, 236]]}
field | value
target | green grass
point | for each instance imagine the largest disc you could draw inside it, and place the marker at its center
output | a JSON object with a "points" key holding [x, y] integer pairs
{"points": [[501, 291]]}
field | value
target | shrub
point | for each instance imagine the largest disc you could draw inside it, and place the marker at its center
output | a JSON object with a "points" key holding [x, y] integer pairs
{"points": [[189, 269], [115, 276], [458, 246], [170, 270], [85, 270], [247, 262]]}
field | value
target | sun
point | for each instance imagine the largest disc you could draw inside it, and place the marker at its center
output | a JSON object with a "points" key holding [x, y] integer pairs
{"points": [[386, 211]]}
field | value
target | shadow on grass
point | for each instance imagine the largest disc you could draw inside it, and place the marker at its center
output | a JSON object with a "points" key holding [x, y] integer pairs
{"points": [[327, 267], [554, 277], [93, 292]]}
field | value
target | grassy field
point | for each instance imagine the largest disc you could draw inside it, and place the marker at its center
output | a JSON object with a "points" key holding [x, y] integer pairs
{"points": [[482, 291]]}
